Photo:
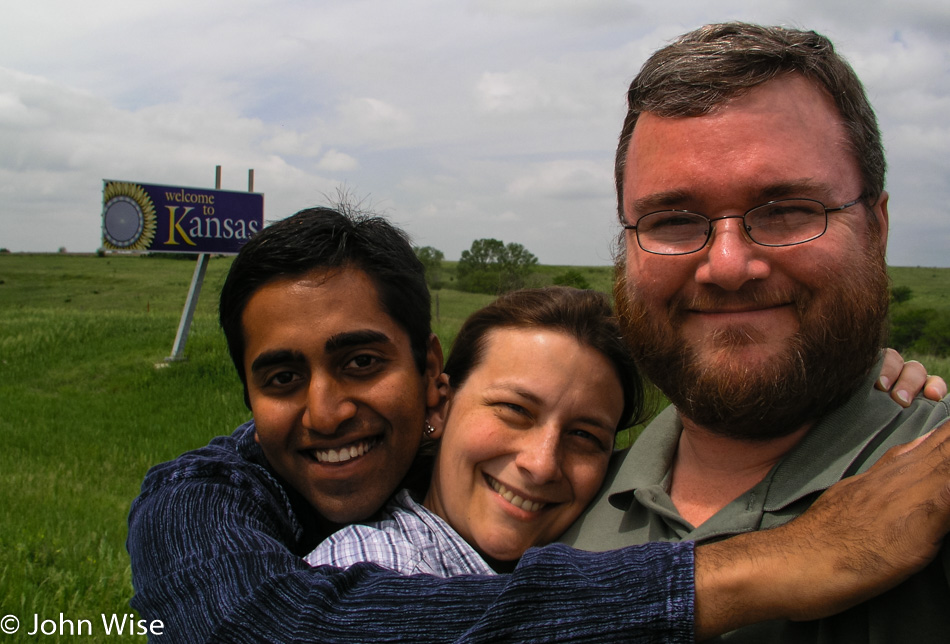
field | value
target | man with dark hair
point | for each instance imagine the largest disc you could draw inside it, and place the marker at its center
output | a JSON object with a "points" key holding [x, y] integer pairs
{"points": [[383, 390], [753, 288], [322, 237]]}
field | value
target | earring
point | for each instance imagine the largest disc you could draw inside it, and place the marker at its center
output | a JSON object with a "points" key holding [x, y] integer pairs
{"points": [[429, 430]]}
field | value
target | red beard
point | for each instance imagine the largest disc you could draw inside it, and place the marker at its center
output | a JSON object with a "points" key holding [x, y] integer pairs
{"points": [[841, 332]]}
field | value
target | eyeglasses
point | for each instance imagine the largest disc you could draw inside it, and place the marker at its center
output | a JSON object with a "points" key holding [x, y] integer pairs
{"points": [[785, 222]]}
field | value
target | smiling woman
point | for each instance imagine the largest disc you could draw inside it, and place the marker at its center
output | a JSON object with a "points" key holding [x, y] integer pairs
{"points": [[536, 387], [526, 441]]}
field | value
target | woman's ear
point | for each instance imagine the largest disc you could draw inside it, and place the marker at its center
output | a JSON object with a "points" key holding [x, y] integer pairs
{"points": [[437, 413]]}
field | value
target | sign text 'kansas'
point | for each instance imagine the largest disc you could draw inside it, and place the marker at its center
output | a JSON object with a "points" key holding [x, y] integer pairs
{"points": [[138, 216]]}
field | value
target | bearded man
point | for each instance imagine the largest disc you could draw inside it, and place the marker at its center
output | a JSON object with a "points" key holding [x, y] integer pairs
{"points": [[752, 284]]}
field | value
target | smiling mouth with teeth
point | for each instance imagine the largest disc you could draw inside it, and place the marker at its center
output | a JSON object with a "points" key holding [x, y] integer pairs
{"points": [[347, 452], [514, 499]]}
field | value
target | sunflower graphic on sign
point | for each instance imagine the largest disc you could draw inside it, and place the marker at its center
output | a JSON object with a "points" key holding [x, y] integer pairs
{"points": [[128, 217]]}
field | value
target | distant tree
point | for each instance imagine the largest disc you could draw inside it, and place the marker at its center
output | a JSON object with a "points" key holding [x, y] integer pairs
{"points": [[4, 250], [901, 294], [431, 259], [935, 339], [62, 250], [572, 277], [920, 331], [491, 266], [907, 326]]}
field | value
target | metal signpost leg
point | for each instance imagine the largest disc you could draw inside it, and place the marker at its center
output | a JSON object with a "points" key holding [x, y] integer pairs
{"points": [[188, 313]]}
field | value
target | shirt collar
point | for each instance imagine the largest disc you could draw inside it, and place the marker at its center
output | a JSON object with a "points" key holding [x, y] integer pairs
{"points": [[822, 458]]}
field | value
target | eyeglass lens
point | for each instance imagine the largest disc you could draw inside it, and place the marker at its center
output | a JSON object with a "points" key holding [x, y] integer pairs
{"points": [[782, 223]]}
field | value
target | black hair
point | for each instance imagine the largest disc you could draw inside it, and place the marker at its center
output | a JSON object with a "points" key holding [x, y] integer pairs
{"points": [[318, 238]]}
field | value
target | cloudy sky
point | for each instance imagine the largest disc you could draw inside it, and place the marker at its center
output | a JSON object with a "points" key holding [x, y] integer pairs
{"points": [[458, 119]]}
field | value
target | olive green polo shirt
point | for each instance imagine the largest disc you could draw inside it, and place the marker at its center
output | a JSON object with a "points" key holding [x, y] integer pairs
{"points": [[635, 507]]}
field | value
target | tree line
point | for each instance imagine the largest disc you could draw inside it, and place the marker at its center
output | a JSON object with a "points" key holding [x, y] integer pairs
{"points": [[490, 266]]}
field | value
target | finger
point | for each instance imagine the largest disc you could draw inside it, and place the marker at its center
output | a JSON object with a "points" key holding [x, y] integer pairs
{"points": [[911, 382], [929, 454], [935, 388], [941, 434], [906, 447], [890, 370]]}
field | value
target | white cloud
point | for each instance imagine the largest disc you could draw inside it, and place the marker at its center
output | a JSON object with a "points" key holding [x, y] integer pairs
{"points": [[469, 119], [563, 180], [371, 120], [589, 12], [292, 142], [510, 92], [13, 113], [336, 161]]}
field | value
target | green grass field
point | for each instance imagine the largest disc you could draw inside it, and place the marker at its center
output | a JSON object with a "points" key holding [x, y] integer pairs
{"points": [[84, 412]]}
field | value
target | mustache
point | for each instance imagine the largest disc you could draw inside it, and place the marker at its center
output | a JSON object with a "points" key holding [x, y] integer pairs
{"points": [[751, 296]]}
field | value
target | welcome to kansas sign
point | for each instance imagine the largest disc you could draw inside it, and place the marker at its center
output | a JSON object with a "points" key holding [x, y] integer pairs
{"points": [[138, 216]]}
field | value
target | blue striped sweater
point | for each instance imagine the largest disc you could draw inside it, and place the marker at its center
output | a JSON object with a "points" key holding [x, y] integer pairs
{"points": [[216, 541]]}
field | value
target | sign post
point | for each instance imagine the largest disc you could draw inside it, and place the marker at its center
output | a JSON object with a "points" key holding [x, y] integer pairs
{"points": [[172, 219], [184, 325], [197, 279]]}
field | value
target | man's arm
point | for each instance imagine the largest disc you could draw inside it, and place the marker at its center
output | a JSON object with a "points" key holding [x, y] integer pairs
{"points": [[864, 535], [556, 594], [209, 559]]}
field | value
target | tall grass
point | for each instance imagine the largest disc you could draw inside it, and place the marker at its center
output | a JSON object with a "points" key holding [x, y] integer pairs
{"points": [[84, 413], [930, 286]]}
